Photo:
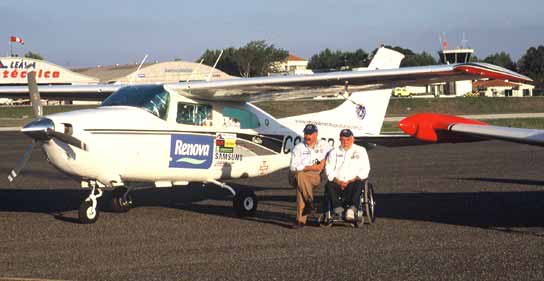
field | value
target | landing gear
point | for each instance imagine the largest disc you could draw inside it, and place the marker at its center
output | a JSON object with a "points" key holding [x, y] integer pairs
{"points": [[244, 201], [88, 211], [121, 201]]}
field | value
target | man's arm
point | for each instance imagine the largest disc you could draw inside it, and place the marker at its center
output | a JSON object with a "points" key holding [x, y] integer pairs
{"points": [[364, 164], [296, 161]]}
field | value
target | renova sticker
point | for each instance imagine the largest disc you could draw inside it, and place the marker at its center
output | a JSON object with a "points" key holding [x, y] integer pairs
{"points": [[191, 151]]}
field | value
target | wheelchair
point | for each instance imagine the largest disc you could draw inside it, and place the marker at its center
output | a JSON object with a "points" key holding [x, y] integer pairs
{"points": [[365, 211]]}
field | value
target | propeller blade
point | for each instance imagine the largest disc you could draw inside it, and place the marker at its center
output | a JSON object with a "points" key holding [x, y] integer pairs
{"points": [[35, 99], [22, 163], [67, 139]]}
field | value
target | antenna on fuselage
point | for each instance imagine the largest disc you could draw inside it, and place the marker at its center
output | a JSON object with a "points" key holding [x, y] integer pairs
{"points": [[137, 70], [214, 65], [194, 70]]}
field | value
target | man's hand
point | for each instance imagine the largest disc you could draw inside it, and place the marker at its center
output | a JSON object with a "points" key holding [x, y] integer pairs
{"points": [[342, 184], [315, 167]]}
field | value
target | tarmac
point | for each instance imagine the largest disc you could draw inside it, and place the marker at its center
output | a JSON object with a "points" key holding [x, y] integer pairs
{"points": [[471, 211]]}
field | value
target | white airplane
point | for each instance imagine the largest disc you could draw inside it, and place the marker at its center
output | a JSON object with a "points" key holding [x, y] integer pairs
{"points": [[208, 131]]}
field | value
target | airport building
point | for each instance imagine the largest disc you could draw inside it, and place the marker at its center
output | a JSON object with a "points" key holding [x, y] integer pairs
{"points": [[501, 88], [293, 65], [14, 70], [158, 72]]}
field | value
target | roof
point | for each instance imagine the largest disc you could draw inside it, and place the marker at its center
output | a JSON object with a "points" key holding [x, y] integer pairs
{"points": [[294, 58], [493, 83], [163, 72], [110, 72]]}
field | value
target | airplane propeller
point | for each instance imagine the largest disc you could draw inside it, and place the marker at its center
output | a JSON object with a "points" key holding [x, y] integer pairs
{"points": [[40, 129]]}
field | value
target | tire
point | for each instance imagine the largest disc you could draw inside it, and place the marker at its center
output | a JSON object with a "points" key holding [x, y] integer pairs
{"points": [[86, 214], [369, 204], [118, 204], [245, 203]]}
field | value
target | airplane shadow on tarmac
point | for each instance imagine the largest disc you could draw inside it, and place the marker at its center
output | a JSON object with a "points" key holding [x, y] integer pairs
{"points": [[493, 210]]}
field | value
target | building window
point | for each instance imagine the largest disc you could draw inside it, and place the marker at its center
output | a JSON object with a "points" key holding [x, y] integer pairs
{"points": [[526, 92], [508, 93]]}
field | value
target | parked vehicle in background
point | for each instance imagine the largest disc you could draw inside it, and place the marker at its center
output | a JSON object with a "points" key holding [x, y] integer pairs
{"points": [[401, 92]]}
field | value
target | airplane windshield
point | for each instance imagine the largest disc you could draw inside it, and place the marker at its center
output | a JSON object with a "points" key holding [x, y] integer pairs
{"points": [[153, 98]]}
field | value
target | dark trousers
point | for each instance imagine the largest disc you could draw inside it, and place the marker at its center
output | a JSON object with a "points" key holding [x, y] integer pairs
{"points": [[350, 196]]}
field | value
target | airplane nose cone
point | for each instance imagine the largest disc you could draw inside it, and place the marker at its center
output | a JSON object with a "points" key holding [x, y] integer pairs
{"points": [[38, 129], [408, 126]]}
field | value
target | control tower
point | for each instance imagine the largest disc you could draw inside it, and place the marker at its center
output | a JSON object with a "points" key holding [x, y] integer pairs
{"points": [[459, 55], [451, 56]]}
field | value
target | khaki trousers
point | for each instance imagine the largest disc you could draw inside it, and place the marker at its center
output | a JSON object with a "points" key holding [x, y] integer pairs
{"points": [[305, 183]]}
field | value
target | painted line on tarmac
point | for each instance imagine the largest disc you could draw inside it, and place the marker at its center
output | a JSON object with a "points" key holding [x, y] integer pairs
{"points": [[9, 129], [27, 279], [486, 116]]}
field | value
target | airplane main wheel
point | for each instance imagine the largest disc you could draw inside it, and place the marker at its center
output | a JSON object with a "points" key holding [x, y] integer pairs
{"points": [[88, 214], [118, 203], [245, 203]]}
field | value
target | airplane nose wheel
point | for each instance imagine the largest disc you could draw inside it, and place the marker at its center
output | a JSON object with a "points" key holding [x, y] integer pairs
{"points": [[88, 211], [245, 203]]}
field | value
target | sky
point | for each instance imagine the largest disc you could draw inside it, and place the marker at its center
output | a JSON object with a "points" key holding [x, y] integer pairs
{"points": [[104, 32]]}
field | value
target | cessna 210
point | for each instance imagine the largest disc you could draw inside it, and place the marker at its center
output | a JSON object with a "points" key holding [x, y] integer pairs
{"points": [[209, 131]]}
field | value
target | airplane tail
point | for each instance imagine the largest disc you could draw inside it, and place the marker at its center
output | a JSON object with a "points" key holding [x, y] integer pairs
{"points": [[363, 112], [385, 59]]}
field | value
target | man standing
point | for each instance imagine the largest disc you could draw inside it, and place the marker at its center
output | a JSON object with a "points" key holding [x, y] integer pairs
{"points": [[347, 170], [307, 162]]}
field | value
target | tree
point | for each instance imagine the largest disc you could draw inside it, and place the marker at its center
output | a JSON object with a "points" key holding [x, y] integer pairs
{"points": [[227, 63], [411, 58], [419, 60], [32, 55], [338, 60], [474, 58], [256, 58], [501, 59], [532, 64]]}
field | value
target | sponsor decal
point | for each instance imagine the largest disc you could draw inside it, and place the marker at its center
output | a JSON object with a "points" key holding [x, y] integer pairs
{"points": [[191, 151], [361, 111], [263, 168], [228, 156], [225, 142]]}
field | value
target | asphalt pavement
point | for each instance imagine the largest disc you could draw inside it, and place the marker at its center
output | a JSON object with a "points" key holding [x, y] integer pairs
{"points": [[445, 212]]}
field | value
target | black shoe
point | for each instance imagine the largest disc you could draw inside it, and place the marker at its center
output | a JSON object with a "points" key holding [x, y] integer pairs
{"points": [[297, 225]]}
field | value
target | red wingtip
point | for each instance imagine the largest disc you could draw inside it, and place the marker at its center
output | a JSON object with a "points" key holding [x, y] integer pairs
{"points": [[424, 125]]}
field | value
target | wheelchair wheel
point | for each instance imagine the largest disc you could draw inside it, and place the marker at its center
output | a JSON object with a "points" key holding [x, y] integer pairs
{"points": [[369, 203]]}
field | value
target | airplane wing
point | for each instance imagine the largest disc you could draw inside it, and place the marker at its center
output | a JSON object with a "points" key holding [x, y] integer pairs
{"points": [[297, 86], [291, 86], [431, 127]]}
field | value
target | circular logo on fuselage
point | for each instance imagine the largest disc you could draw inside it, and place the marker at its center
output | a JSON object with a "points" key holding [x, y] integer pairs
{"points": [[361, 111]]}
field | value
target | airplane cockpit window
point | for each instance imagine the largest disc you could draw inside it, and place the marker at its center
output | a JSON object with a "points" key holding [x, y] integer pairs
{"points": [[194, 114], [239, 118], [152, 98]]}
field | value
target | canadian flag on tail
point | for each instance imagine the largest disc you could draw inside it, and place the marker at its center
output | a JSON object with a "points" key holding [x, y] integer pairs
{"points": [[17, 40]]}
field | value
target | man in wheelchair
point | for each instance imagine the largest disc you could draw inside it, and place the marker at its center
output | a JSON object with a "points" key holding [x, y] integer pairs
{"points": [[347, 169]]}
